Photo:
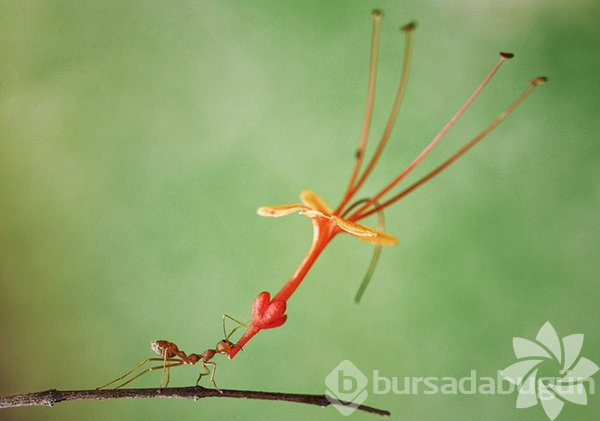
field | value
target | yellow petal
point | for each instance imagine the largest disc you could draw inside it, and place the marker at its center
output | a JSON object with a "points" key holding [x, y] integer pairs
{"points": [[281, 210], [366, 234], [353, 228], [311, 213], [312, 200], [382, 239]]}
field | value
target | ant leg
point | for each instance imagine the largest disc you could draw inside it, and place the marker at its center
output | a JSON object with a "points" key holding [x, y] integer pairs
{"points": [[175, 363], [212, 376], [239, 326], [168, 376], [129, 372], [168, 368], [207, 371], [162, 377]]}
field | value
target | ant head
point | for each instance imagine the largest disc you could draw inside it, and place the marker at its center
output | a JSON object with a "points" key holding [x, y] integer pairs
{"points": [[224, 346]]}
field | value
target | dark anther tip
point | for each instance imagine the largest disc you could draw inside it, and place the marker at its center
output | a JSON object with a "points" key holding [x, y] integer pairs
{"points": [[376, 13], [409, 26]]}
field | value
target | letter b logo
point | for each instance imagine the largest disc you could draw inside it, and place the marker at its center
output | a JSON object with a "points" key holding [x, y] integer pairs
{"points": [[346, 384], [345, 387]]}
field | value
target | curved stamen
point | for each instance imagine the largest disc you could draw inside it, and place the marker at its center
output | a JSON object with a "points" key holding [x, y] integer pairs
{"points": [[438, 137], [538, 81], [374, 258], [370, 101], [353, 189]]}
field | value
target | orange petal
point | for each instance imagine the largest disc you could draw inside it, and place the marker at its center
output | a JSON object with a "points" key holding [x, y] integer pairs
{"points": [[366, 234], [312, 200], [281, 210]]}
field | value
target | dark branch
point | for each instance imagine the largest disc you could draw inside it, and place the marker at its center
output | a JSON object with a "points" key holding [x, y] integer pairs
{"points": [[52, 397]]}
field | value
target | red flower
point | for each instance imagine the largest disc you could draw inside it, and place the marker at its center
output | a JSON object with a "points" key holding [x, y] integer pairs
{"points": [[267, 312]]}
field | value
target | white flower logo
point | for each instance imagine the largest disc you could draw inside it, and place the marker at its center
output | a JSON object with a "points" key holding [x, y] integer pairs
{"points": [[552, 392]]}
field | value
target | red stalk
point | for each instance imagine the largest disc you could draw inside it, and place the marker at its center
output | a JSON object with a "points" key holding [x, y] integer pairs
{"points": [[323, 232]]}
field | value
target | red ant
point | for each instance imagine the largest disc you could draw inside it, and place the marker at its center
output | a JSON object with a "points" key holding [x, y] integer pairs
{"points": [[172, 356]]}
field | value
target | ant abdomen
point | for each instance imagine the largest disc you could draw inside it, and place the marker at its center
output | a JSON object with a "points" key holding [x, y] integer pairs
{"points": [[164, 347]]}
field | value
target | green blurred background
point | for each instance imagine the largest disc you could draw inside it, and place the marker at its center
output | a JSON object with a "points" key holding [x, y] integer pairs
{"points": [[137, 139]]}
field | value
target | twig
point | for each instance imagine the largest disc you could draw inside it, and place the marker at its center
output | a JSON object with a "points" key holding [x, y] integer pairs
{"points": [[52, 397]]}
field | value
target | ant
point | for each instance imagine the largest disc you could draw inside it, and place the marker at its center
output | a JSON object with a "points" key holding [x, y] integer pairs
{"points": [[172, 356]]}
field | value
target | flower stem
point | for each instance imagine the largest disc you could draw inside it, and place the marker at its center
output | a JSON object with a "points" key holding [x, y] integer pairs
{"points": [[323, 232]]}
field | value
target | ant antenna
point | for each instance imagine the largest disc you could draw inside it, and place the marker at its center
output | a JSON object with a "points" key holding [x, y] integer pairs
{"points": [[235, 329]]}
